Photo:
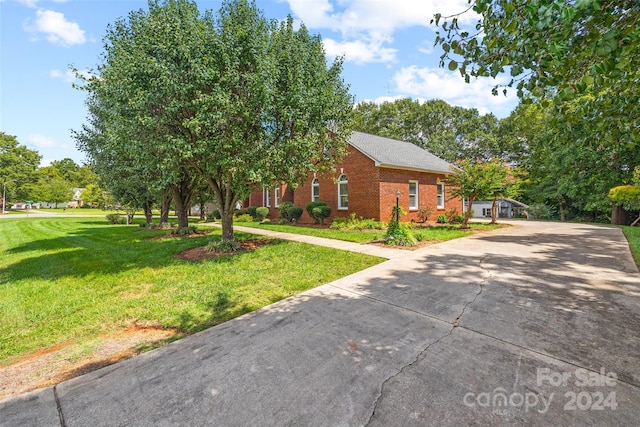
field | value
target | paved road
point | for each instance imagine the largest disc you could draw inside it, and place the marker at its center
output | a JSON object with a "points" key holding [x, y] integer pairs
{"points": [[536, 324]]}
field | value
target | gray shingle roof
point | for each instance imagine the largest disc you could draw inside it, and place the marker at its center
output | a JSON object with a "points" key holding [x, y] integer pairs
{"points": [[391, 153]]}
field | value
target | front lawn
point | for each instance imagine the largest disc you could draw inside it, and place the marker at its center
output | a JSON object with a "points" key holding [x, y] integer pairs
{"points": [[70, 280], [433, 233]]}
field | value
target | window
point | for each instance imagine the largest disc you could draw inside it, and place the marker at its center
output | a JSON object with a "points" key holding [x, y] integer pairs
{"points": [[276, 196], [315, 190], [440, 195], [343, 192], [267, 197], [413, 195]]}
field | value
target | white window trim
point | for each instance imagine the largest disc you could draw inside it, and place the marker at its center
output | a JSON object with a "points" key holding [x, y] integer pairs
{"points": [[417, 204], [276, 196], [346, 180], [267, 197], [438, 187], [315, 183]]}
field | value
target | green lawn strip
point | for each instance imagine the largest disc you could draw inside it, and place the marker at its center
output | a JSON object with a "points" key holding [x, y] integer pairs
{"points": [[633, 236], [434, 233], [70, 279]]}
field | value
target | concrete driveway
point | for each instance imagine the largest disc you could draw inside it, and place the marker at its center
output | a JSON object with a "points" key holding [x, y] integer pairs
{"points": [[535, 324]]}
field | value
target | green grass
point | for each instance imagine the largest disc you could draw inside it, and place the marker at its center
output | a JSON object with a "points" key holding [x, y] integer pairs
{"points": [[348, 236], [633, 236], [439, 233], [71, 279]]}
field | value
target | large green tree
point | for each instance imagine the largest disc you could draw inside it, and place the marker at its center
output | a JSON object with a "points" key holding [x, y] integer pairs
{"points": [[575, 59], [449, 132], [18, 165], [236, 99]]}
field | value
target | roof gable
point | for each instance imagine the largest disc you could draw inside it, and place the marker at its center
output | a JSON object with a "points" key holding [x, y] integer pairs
{"points": [[391, 153]]}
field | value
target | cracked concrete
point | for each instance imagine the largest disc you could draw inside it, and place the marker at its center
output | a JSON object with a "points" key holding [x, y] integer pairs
{"points": [[422, 354], [514, 327]]}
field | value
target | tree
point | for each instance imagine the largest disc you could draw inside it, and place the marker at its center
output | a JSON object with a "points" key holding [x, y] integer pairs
{"points": [[449, 132], [574, 58], [479, 180], [18, 165], [78, 176], [553, 48], [96, 196], [627, 197], [505, 184], [234, 99]]}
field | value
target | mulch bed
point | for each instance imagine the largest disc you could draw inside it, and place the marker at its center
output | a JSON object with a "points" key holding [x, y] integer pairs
{"points": [[199, 253]]}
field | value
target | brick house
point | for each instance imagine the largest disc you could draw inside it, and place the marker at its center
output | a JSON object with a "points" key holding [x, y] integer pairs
{"points": [[366, 181]]}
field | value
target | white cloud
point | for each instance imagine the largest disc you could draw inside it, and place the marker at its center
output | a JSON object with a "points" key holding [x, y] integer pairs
{"points": [[367, 26], [56, 28], [436, 83], [359, 51], [41, 141], [426, 47], [68, 75]]}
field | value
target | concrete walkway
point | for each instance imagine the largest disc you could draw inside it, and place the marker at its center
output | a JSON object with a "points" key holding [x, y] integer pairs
{"points": [[535, 324], [379, 251]]}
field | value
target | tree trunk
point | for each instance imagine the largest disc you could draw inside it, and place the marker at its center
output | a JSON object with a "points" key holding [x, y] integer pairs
{"points": [[226, 199], [148, 213], [467, 213], [182, 192], [166, 205], [494, 210], [181, 201], [227, 224], [619, 216], [635, 222], [564, 208]]}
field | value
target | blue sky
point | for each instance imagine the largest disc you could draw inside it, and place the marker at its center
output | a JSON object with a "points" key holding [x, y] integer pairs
{"points": [[388, 48]]}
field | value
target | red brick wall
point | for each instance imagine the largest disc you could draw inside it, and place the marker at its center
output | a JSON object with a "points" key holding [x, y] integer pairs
{"points": [[372, 191], [256, 199], [362, 178], [396, 179]]}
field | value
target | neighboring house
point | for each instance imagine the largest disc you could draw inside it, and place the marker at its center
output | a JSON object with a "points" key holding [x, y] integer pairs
{"points": [[366, 181], [507, 208]]}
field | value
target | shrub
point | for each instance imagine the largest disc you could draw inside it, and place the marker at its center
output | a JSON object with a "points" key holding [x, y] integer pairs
{"points": [[420, 235], [284, 210], [398, 233], [224, 246], [352, 222], [311, 206], [451, 214], [184, 231], [294, 213], [319, 213], [442, 219], [216, 214], [424, 214], [116, 219], [251, 210], [457, 219], [261, 213], [242, 218], [239, 212]]}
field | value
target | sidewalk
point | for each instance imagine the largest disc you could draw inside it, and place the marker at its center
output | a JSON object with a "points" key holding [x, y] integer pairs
{"points": [[363, 248]]}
